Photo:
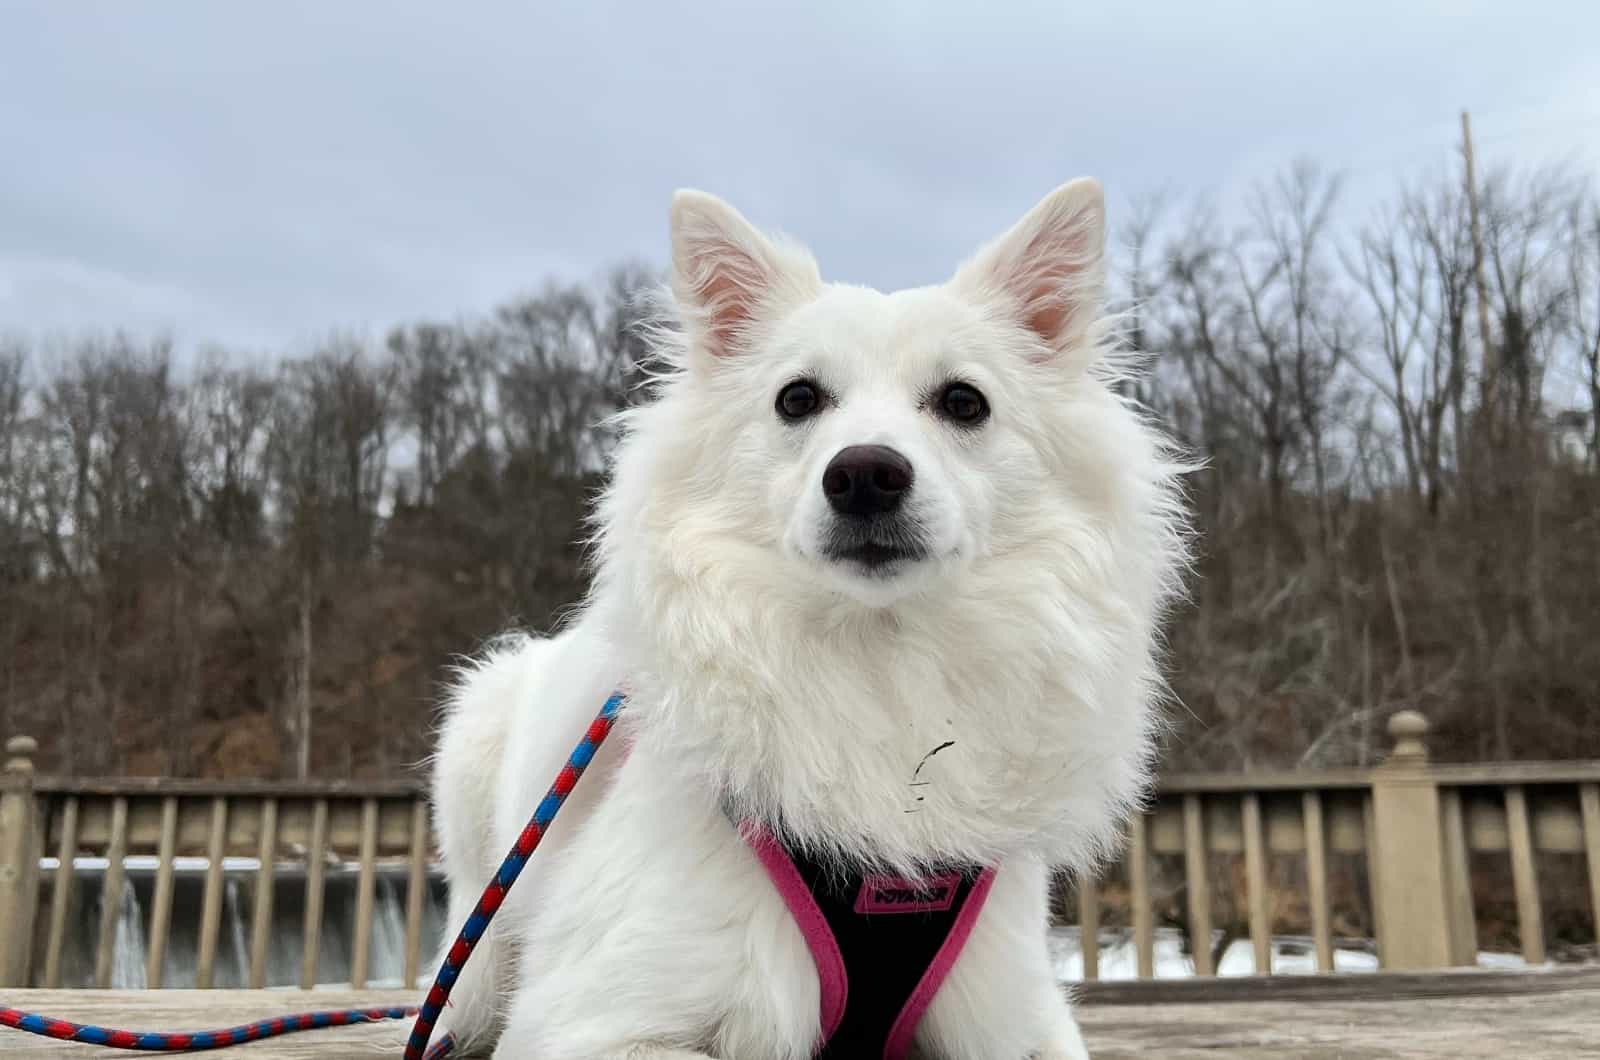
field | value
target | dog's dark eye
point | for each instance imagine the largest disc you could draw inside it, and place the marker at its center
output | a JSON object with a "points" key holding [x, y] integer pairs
{"points": [[963, 404], [799, 400]]}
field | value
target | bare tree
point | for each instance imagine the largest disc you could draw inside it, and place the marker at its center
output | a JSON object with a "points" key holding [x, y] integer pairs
{"points": [[1583, 281], [1297, 325], [277, 556]]}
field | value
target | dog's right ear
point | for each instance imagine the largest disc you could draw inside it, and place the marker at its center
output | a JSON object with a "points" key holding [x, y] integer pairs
{"points": [[728, 277]]}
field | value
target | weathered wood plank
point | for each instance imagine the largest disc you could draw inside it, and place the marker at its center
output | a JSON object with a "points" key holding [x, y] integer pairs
{"points": [[1386, 1016], [1571, 980], [1537, 1020]]}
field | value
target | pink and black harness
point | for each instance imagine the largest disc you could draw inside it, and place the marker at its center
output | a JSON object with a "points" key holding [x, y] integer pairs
{"points": [[882, 945]]}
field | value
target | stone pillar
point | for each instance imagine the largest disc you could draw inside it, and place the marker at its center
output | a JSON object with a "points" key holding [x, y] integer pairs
{"points": [[19, 861], [1409, 879]]}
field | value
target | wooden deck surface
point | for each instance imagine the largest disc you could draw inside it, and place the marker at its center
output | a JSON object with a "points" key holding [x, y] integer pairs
{"points": [[1435, 1016]]}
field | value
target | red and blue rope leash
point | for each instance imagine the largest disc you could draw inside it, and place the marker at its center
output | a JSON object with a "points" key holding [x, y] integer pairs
{"points": [[494, 894], [449, 970], [195, 1041]]}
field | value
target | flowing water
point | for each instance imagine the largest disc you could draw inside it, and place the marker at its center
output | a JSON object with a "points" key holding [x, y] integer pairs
{"points": [[386, 964]]}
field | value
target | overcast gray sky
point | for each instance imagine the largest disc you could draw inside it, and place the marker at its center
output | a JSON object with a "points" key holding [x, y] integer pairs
{"points": [[259, 174]]}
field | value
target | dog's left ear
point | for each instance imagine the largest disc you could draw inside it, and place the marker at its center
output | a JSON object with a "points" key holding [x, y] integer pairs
{"points": [[730, 278], [1049, 268]]}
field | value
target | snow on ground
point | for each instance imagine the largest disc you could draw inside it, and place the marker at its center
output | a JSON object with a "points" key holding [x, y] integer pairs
{"points": [[1291, 955]]}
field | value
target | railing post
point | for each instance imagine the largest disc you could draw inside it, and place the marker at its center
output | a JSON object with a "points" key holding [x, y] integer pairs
{"points": [[1414, 924], [20, 836]]}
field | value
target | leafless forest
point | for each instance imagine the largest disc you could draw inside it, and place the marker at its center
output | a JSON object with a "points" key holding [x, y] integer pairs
{"points": [[256, 563]]}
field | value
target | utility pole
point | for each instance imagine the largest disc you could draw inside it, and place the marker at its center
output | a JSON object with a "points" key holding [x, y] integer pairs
{"points": [[1490, 379]]}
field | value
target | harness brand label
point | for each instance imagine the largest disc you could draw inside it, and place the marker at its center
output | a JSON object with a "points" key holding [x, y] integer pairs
{"points": [[894, 894]]}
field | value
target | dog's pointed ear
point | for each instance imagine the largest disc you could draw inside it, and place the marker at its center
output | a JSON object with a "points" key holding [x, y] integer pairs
{"points": [[727, 276], [1049, 269]]}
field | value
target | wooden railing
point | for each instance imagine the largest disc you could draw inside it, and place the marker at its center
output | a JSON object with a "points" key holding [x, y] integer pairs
{"points": [[1390, 848], [276, 830], [1406, 831]]}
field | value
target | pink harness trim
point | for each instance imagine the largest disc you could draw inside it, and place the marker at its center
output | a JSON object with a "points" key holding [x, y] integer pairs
{"points": [[905, 1025], [813, 925]]}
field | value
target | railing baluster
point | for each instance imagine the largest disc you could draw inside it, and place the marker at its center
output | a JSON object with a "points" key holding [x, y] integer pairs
{"points": [[1255, 871], [111, 893], [1089, 926], [1524, 875], [1458, 880], [315, 855], [1589, 798], [365, 887], [1199, 886], [261, 914], [161, 904], [1139, 885], [1317, 879], [211, 904], [416, 890], [1369, 834], [61, 892]]}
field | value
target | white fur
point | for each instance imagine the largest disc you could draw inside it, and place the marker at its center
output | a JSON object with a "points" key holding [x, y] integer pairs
{"points": [[773, 681]]}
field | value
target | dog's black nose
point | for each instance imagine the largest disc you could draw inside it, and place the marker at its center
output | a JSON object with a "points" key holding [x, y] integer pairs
{"points": [[866, 480]]}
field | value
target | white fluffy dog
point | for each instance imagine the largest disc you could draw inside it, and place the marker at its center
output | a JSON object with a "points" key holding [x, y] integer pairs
{"points": [[852, 528]]}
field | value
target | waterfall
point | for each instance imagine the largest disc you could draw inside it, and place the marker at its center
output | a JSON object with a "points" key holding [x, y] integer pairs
{"points": [[387, 953], [241, 948], [128, 953], [435, 917], [388, 936]]}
